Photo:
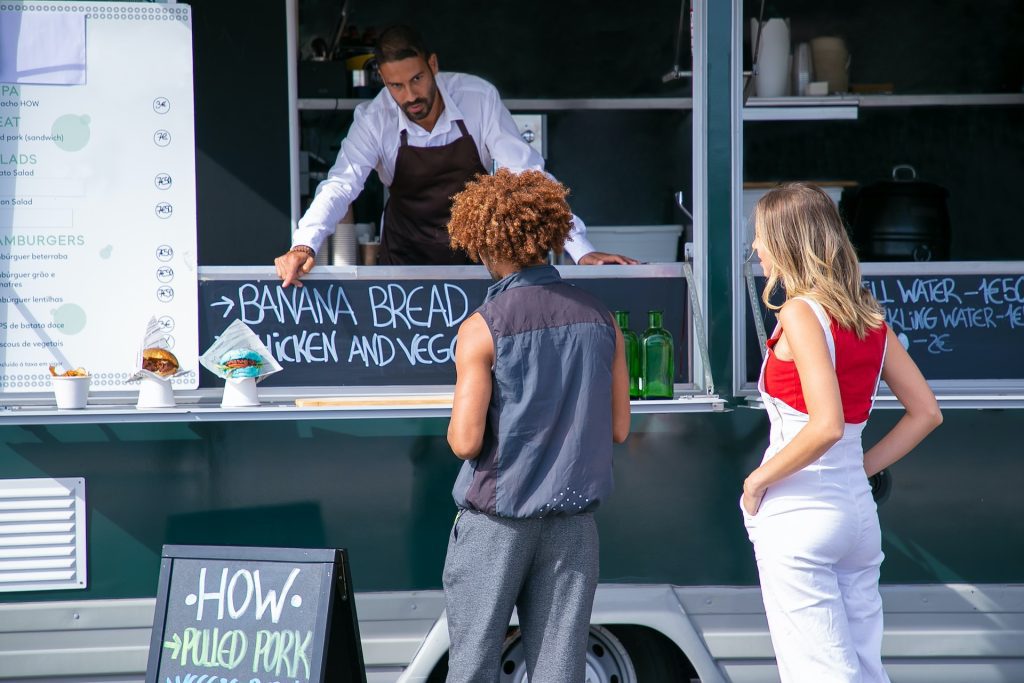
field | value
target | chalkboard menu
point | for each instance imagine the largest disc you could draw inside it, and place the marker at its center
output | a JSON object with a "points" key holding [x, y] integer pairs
{"points": [[259, 615], [370, 332], [960, 328]]}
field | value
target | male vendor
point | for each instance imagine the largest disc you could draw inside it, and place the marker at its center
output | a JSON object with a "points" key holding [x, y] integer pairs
{"points": [[541, 393], [426, 137]]}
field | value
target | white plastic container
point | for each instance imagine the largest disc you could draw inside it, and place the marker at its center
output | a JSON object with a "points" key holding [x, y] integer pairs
{"points": [[240, 393], [72, 393], [645, 243], [155, 393]]}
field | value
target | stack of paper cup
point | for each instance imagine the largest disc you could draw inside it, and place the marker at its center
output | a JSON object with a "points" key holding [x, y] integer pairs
{"points": [[344, 245], [323, 257]]}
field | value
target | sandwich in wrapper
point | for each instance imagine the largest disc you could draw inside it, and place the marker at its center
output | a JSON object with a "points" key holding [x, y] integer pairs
{"points": [[239, 354], [160, 362], [240, 363], [154, 359]]}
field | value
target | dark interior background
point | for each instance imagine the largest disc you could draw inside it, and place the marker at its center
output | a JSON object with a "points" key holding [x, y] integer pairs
{"points": [[240, 76], [623, 166], [920, 47]]}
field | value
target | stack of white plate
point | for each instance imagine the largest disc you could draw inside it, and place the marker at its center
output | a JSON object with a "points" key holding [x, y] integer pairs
{"points": [[344, 245], [323, 257]]}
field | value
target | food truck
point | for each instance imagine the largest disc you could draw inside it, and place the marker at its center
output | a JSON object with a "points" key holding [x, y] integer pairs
{"points": [[152, 173]]}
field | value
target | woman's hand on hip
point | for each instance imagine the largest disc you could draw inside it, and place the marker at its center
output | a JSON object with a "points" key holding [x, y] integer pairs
{"points": [[753, 494]]}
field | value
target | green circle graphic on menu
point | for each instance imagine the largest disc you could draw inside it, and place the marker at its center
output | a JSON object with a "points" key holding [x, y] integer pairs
{"points": [[71, 132], [70, 318]]}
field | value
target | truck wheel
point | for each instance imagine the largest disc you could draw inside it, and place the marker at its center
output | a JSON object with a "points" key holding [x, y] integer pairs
{"points": [[656, 659], [607, 659]]}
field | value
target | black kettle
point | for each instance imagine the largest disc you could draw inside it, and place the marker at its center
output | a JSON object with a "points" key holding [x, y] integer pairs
{"points": [[903, 219]]}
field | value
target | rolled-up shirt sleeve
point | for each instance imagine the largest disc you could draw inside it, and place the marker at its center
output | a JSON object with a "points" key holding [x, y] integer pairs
{"points": [[359, 154], [507, 149], [577, 245]]}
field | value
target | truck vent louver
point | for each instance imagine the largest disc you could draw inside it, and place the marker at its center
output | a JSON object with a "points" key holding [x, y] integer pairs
{"points": [[42, 534]]}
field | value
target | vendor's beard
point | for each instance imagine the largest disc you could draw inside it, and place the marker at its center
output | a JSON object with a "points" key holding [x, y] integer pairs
{"points": [[428, 106]]}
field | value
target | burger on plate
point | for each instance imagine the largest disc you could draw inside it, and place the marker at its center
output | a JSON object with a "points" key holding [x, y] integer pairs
{"points": [[241, 363], [159, 361]]}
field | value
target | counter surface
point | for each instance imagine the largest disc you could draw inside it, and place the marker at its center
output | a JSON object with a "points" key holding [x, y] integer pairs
{"points": [[360, 403]]}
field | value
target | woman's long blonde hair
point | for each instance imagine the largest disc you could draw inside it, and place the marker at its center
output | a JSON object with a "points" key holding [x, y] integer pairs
{"points": [[811, 255]]}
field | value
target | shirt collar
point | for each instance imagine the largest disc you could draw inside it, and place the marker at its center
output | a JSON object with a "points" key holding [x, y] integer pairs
{"points": [[449, 115], [531, 276]]}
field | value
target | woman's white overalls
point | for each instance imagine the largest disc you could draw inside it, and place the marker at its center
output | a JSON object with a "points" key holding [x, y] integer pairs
{"points": [[818, 548]]}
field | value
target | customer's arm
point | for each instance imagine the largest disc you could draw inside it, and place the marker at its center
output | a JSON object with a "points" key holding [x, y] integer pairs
{"points": [[824, 428], [923, 415], [474, 358]]}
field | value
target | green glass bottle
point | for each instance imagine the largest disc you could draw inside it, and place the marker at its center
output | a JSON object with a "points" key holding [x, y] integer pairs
{"points": [[632, 345], [656, 359]]}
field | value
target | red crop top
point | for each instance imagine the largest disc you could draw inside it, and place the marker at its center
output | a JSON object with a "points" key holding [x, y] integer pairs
{"points": [[858, 362]]}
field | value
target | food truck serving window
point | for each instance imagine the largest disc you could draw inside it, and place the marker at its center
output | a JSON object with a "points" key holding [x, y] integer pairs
{"points": [[960, 322], [397, 326]]}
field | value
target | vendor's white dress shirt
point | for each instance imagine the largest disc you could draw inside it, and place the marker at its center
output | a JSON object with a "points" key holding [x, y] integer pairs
{"points": [[373, 140]]}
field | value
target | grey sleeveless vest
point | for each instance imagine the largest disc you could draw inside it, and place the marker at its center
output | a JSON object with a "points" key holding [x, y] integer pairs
{"points": [[548, 442]]}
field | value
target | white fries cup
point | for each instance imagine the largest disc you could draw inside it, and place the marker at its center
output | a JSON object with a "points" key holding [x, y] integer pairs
{"points": [[72, 393]]}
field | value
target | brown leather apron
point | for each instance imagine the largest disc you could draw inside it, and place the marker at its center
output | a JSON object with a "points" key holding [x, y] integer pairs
{"points": [[420, 204]]}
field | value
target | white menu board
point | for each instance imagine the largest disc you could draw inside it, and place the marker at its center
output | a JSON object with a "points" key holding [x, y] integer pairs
{"points": [[97, 197]]}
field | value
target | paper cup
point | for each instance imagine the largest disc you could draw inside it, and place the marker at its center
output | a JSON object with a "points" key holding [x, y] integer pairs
{"points": [[155, 393], [71, 393], [240, 393]]}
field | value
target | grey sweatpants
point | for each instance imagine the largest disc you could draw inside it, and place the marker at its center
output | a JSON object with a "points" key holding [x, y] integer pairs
{"points": [[546, 568]]}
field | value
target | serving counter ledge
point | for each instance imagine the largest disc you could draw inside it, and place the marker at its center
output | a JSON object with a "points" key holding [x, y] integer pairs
{"points": [[970, 401], [203, 405]]}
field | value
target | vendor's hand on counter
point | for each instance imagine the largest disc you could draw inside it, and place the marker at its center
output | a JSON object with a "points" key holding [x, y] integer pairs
{"points": [[291, 266], [597, 258]]}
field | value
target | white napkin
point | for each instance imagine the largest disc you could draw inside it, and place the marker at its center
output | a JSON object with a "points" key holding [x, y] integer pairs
{"points": [[42, 48]]}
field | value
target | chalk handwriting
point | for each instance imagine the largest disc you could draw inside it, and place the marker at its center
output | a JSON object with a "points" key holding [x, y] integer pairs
{"points": [[226, 596], [295, 305], [285, 651], [395, 307]]}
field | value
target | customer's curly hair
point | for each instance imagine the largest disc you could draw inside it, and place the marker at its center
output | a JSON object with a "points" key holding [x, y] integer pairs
{"points": [[513, 217]]}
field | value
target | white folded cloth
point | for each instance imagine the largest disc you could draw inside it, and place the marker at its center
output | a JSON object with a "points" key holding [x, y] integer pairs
{"points": [[42, 48]]}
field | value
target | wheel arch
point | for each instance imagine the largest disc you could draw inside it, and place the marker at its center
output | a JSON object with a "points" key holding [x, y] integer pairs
{"points": [[655, 608]]}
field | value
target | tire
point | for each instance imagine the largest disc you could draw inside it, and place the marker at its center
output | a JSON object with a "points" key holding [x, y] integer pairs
{"points": [[656, 659], [607, 660]]}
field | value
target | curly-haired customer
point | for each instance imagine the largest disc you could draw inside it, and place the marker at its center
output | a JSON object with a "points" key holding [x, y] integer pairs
{"points": [[542, 393]]}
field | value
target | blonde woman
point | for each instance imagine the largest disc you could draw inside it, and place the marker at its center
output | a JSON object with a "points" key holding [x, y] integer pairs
{"points": [[808, 507]]}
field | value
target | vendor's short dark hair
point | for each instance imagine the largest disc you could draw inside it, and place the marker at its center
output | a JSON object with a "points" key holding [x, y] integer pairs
{"points": [[399, 42]]}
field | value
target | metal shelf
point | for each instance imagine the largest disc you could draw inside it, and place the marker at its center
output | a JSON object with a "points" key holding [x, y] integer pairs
{"points": [[846, 107], [540, 104], [978, 100], [837, 107]]}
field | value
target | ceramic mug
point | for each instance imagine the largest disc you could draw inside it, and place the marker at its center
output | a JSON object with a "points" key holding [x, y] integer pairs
{"points": [[831, 62]]}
